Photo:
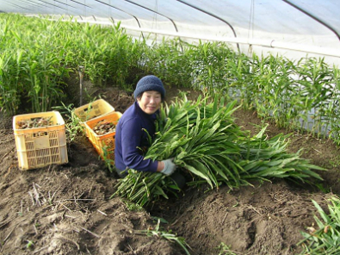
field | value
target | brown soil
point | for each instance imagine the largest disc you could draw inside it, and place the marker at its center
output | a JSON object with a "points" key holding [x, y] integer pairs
{"points": [[65, 209]]}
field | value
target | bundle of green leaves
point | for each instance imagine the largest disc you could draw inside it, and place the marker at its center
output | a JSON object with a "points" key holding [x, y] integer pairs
{"points": [[208, 147]]}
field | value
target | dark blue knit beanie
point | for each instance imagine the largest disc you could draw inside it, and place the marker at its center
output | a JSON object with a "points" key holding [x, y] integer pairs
{"points": [[147, 83]]}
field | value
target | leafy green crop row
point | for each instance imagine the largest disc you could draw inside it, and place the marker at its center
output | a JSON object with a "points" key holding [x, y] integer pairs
{"points": [[38, 54]]}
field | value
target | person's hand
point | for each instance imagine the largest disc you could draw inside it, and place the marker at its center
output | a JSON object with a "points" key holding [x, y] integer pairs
{"points": [[169, 167]]}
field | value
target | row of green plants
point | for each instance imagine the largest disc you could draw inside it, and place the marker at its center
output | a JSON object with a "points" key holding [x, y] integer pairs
{"points": [[298, 95], [38, 55]]}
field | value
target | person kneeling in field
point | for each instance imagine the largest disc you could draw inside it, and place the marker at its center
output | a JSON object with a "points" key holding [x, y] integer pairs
{"points": [[137, 122]]}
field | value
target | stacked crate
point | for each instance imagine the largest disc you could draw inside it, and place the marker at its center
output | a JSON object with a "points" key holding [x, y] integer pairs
{"points": [[93, 115], [103, 143], [93, 110]]}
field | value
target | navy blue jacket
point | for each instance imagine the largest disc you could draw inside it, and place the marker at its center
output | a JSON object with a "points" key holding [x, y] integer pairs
{"points": [[131, 141]]}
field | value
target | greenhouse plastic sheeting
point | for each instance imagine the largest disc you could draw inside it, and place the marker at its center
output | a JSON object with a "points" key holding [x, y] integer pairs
{"points": [[292, 28]]}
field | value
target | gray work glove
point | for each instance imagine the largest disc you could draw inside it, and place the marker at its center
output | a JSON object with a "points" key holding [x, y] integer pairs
{"points": [[169, 167]]}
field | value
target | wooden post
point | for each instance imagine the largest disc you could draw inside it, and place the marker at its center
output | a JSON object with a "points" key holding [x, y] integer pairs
{"points": [[81, 77]]}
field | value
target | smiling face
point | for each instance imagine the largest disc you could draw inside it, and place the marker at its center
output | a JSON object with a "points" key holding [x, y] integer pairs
{"points": [[150, 101]]}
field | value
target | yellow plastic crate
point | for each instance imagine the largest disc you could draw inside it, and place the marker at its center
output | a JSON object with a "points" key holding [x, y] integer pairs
{"points": [[93, 110], [40, 146], [104, 144]]}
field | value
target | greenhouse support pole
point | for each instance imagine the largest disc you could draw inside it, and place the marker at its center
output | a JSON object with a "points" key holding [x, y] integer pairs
{"points": [[314, 17], [142, 6], [213, 15], [114, 7]]}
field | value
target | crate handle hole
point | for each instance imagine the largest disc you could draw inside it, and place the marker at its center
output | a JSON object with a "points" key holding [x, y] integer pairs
{"points": [[40, 133]]}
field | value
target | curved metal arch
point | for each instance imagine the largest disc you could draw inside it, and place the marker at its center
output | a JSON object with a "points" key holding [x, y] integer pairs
{"points": [[20, 7], [54, 5], [313, 17], [212, 15], [81, 4], [35, 4], [122, 11], [64, 4], [142, 6]]}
